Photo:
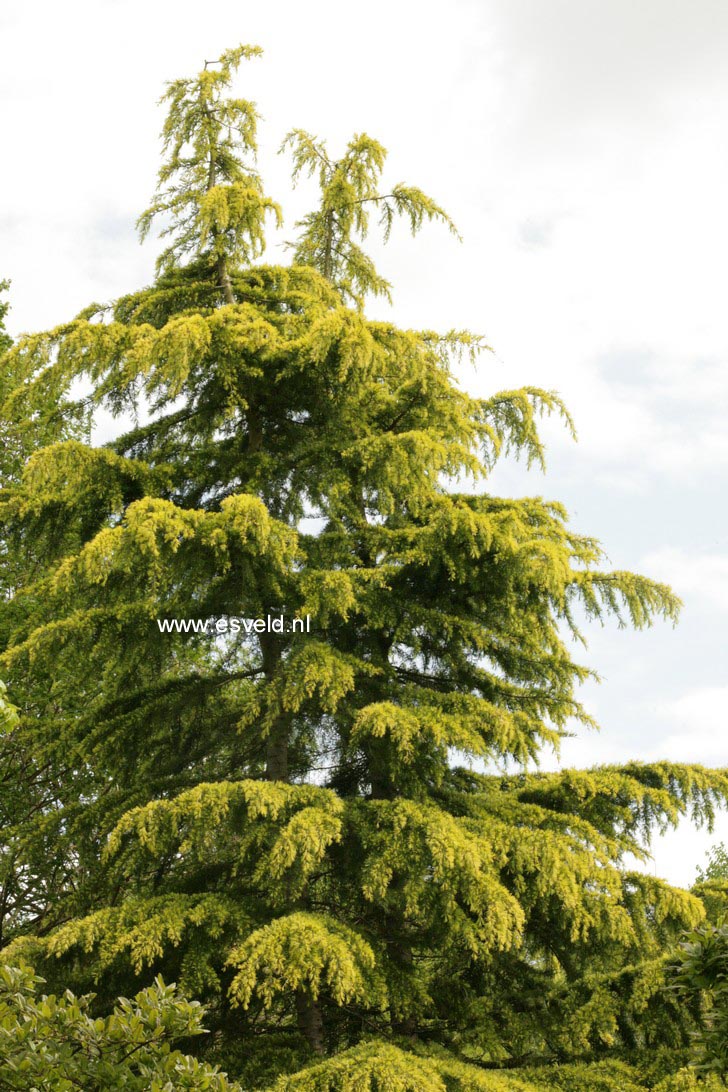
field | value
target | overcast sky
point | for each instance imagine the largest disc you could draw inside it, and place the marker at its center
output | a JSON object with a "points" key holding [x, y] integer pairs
{"points": [[581, 147]]}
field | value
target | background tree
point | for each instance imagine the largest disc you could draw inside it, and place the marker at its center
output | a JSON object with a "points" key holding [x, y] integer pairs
{"points": [[5, 339], [53, 1042], [700, 975], [292, 824], [711, 886], [716, 867]]}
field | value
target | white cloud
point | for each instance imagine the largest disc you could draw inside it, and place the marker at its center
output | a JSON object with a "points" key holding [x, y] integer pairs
{"points": [[691, 574], [701, 721], [679, 853]]}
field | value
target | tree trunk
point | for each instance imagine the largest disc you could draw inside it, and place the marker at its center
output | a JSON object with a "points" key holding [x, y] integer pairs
{"points": [[400, 952], [276, 753], [224, 279], [276, 745], [310, 1022], [255, 429]]}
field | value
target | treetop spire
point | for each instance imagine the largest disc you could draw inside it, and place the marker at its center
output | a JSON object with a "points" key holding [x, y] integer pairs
{"points": [[209, 194]]}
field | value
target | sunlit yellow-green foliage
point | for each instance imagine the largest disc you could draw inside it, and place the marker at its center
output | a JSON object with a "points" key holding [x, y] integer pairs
{"points": [[333, 835], [8, 712], [212, 197], [379, 1065], [349, 189]]}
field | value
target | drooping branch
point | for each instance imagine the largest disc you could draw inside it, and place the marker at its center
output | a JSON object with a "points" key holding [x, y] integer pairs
{"points": [[328, 236]]}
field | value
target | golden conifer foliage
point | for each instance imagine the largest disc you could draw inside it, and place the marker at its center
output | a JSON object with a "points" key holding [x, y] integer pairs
{"points": [[291, 823]]}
